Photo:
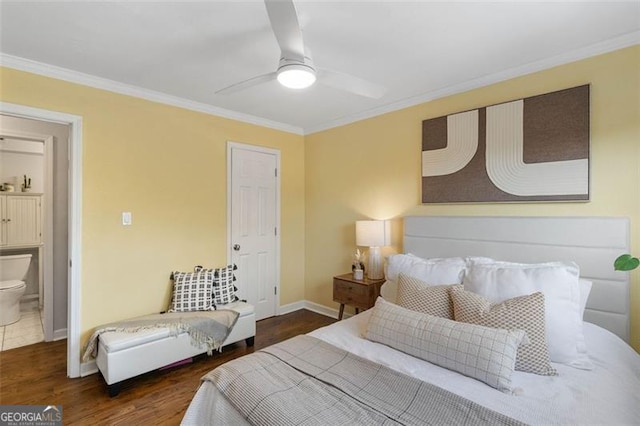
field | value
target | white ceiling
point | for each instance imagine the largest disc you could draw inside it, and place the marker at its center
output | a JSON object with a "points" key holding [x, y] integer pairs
{"points": [[182, 52]]}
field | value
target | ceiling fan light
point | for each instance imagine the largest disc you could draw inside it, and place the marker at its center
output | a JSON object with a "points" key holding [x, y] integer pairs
{"points": [[296, 76]]}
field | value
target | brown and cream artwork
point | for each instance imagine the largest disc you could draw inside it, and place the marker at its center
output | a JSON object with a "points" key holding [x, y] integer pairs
{"points": [[531, 149]]}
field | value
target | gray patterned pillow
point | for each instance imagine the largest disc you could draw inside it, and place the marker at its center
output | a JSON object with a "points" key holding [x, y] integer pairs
{"points": [[419, 296], [523, 313], [224, 291], [483, 353], [192, 291]]}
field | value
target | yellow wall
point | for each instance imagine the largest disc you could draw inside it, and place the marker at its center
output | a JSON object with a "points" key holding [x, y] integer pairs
{"points": [[168, 167], [371, 169], [144, 157]]}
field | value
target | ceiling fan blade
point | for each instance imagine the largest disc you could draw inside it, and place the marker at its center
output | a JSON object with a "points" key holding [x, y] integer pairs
{"points": [[351, 84], [284, 23], [247, 83]]}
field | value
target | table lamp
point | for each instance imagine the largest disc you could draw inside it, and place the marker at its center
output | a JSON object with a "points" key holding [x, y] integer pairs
{"points": [[374, 234]]}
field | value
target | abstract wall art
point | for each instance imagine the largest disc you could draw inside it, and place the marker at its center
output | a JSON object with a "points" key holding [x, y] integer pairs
{"points": [[532, 149]]}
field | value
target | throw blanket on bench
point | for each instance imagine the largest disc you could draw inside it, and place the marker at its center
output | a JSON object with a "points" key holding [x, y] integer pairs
{"points": [[305, 380], [209, 328]]}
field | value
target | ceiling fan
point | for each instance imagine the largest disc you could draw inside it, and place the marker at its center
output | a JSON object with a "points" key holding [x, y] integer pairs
{"points": [[296, 69]]}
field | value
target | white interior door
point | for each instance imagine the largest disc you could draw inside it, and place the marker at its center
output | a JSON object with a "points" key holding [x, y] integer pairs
{"points": [[253, 216]]}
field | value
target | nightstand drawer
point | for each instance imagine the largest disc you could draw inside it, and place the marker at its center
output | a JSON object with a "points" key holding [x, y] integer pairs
{"points": [[351, 294], [351, 288]]}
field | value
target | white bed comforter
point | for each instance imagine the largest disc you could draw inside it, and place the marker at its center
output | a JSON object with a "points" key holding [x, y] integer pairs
{"points": [[607, 395]]}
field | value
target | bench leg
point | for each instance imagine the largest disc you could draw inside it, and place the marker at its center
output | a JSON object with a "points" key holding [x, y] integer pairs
{"points": [[250, 341], [114, 389]]}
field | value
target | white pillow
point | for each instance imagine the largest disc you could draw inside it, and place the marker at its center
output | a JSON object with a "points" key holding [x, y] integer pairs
{"points": [[439, 271], [434, 271], [585, 289], [479, 259], [389, 291], [397, 263], [558, 282], [484, 353]]}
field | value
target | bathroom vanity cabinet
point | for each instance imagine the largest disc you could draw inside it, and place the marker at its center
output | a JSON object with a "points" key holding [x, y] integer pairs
{"points": [[20, 219]]}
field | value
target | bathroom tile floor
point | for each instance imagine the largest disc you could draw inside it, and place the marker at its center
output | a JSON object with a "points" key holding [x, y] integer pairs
{"points": [[25, 332]]}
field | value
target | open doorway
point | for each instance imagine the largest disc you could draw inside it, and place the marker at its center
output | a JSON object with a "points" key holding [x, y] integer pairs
{"points": [[70, 176], [25, 245]]}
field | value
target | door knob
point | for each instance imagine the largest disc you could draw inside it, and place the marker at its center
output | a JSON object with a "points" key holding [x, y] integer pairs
{"points": [[236, 247]]}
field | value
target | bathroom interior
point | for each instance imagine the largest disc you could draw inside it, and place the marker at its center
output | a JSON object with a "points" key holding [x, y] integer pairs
{"points": [[22, 180], [38, 149]]}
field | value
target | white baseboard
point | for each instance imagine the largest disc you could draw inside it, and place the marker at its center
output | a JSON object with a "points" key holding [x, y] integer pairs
{"points": [[311, 306], [88, 368], [291, 307], [59, 334], [29, 303], [321, 309]]}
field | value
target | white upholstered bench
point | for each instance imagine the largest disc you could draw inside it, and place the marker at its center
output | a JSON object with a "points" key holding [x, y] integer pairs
{"points": [[123, 355]]}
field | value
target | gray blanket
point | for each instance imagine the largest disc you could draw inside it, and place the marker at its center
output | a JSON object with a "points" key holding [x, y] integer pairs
{"points": [[209, 328], [306, 381]]}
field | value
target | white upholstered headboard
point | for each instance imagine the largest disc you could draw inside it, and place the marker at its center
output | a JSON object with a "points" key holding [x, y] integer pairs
{"points": [[592, 242]]}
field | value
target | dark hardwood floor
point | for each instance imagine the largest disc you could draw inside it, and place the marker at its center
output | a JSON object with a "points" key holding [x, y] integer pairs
{"points": [[37, 375]]}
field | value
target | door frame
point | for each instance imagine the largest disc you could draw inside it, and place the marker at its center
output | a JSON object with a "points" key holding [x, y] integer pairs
{"points": [[46, 253], [237, 145], [75, 220]]}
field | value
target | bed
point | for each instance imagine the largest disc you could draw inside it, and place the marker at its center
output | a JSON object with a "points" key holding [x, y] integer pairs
{"points": [[335, 364]]}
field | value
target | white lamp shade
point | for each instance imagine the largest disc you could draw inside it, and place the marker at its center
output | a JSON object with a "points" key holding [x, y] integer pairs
{"points": [[373, 233]]}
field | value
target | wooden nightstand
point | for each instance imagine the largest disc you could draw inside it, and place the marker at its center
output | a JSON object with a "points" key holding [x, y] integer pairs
{"points": [[359, 293]]}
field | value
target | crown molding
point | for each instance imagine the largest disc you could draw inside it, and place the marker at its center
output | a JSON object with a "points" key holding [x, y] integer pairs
{"points": [[34, 67], [607, 46], [71, 76]]}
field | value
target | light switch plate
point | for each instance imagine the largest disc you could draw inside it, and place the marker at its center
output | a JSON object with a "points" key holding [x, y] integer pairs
{"points": [[126, 218]]}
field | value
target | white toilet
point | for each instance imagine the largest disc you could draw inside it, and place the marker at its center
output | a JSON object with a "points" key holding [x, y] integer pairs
{"points": [[13, 269]]}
